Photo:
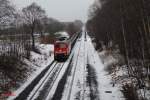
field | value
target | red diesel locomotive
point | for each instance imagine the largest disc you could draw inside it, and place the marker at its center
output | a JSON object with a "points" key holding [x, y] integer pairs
{"points": [[61, 50], [63, 46]]}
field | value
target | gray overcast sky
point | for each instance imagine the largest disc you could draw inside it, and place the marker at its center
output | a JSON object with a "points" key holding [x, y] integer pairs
{"points": [[63, 10]]}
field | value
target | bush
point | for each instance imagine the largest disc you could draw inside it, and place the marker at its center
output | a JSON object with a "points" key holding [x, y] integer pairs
{"points": [[130, 92], [13, 68]]}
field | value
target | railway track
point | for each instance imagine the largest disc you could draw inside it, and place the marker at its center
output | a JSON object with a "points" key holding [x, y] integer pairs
{"points": [[51, 81], [70, 89], [24, 94], [48, 84], [43, 81], [72, 75], [85, 65], [43, 87], [49, 78], [65, 85]]}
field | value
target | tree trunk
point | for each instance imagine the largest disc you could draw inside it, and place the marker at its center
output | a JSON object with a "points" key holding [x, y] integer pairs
{"points": [[32, 36]]}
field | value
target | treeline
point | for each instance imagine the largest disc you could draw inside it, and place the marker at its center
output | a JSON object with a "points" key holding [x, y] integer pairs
{"points": [[22, 27], [124, 24]]}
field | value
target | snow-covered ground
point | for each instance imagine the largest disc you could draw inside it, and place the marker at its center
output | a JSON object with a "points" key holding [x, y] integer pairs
{"points": [[77, 87], [87, 78], [106, 90], [37, 62], [120, 73]]}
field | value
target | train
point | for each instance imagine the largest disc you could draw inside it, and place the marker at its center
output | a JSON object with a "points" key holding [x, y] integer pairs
{"points": [[61, 50], [63, 47]]}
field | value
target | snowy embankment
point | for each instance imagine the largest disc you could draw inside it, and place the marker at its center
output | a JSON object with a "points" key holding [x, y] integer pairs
{"points": [[37, 63], [105, 87], [88, 79], [116, 68]]}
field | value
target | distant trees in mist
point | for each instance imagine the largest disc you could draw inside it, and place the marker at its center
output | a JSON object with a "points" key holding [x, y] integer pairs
{"points": [[73, 27]]}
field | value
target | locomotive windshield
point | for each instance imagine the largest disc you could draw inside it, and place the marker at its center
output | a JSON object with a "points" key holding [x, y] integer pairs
{"points": [[61, 45]]}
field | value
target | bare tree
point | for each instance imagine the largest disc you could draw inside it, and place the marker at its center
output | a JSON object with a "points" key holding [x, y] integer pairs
{"points": [[6, 13], [32, 14]]}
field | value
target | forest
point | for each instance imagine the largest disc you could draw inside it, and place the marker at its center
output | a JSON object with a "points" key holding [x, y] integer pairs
{"points": [[124, 25]]}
